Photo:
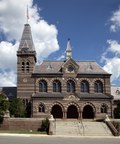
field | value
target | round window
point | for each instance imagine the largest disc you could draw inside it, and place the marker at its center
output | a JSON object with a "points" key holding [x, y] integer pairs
{"points": [[70, 68]]}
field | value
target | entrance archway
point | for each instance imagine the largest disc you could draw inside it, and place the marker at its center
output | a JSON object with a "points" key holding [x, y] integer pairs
{"points": [[57, 111], [88, 112], [72, 112]]}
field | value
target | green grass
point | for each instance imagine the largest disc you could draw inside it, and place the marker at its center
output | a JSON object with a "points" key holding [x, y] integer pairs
{"points": [[23, 132]]}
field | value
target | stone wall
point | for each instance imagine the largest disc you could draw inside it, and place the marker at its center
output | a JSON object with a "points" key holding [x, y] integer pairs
{"points": [[21, 124]]}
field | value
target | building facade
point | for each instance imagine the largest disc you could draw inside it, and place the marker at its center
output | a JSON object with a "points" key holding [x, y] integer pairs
{"points": [[65, 89], [115, 91]]}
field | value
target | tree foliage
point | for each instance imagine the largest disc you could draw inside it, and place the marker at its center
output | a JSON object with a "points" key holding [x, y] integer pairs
{"points": [[17, 108], [4, 105], [45, 125]]}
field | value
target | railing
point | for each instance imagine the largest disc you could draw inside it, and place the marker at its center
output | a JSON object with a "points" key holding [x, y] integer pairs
{"points": [[112, 128], [80, 124]]}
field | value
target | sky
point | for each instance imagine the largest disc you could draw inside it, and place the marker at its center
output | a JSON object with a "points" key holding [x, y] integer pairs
{"points": [[93, 27]]}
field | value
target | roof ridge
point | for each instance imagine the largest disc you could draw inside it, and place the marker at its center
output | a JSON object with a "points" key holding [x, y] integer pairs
{"points": [[53, 60], [86, 61]]}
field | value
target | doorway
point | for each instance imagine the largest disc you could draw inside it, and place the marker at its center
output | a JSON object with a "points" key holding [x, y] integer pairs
{"points": [[72, 112], [57, 111], [88, 112]]}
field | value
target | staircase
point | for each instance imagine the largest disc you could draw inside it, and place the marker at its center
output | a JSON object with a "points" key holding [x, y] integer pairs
{"points": [[77, 128]]}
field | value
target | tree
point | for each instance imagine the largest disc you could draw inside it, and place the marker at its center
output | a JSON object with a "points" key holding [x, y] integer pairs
{"points": [[28, 109], [117, 110], [17, 108], [4, 105]]}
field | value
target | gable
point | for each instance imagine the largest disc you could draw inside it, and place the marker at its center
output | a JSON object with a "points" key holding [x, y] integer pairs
{"points": [[70, 67], [71, 97]]}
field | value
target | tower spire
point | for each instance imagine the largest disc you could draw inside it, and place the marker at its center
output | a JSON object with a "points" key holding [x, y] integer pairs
{"points": [[68, 50], [26, 40], [27, 15], [26, 46]]}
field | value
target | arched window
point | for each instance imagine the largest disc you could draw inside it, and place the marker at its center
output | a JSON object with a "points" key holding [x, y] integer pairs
{"points": [[103, 108], [41, 108], [27, 66], [56, 86], [84, 86], [42, 86], [70, 86], [98, 87], [23, 67]]}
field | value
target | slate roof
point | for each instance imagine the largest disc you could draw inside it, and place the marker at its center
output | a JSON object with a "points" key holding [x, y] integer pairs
{"points": [[85, 67], [10, 92], [79, 95], [26, 40]]}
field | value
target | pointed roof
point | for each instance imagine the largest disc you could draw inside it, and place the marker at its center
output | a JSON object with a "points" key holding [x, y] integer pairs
{"points": [[26, 40], [68, 46]]}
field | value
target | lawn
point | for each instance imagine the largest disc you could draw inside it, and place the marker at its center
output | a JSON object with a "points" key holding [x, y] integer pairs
{"points": [[23, 131]]}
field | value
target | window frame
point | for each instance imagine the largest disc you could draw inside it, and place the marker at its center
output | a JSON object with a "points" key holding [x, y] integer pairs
{"points": [[98, 87], [56, 86], [71, 86], [41, 108], [42, 86], [84, 86]]}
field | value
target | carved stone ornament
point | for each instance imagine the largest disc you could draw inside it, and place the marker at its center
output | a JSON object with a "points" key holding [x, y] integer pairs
{"points": [[71, 97], [25, 80]]}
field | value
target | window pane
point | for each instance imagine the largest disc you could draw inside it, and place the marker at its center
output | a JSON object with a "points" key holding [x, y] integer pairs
{"points": [[56, 86], [42, 86], [70, 86]]}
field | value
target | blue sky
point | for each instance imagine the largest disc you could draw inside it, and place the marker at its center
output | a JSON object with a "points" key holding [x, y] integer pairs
{"points": [[93, 27], [85, 22]]}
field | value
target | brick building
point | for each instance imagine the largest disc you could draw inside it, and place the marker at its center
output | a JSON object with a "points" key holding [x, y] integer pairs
{"points": [[65, 89]]}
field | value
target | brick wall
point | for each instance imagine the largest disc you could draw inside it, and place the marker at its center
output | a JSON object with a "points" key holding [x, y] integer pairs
{"points": [[21, 124]]}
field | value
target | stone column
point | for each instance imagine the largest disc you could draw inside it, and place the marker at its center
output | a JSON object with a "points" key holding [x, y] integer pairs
{"points": [[64, 115], [79, 115]]}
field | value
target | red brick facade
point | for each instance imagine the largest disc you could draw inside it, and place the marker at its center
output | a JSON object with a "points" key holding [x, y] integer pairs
{"points": [[66, 89]]}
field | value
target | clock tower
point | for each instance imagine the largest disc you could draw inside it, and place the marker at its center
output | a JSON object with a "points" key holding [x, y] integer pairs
{"points": [[26, 59]]}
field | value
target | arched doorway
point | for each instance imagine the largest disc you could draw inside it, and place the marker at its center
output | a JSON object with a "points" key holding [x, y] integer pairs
{"points": [[57, 111], [88, 112], [72, 112]]}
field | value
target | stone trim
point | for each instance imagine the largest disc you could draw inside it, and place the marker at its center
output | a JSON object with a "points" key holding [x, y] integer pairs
{"points": [[90, 104]]}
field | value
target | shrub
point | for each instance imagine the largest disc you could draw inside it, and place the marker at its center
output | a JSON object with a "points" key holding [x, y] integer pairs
{"points": [[45, 125]]}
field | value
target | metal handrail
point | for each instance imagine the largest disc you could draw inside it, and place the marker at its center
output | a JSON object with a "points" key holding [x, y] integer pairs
{"points": [[82, 127]]}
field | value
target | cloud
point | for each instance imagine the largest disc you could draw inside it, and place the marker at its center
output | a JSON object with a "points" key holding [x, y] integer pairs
{"points": [[7, 78], [112, 64], [115, 20], [62, 56], [8, 59], [12, 18]]}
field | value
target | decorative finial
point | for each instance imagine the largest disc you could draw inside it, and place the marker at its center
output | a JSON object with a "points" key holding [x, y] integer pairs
{"points": [[68, 50], [68, 45]]}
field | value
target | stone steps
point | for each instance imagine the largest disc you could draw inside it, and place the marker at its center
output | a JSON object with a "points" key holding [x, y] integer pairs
{"points": [[75, 128]]}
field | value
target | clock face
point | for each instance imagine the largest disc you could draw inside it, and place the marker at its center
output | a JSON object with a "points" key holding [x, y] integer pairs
{"points": [[70, 69]]}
